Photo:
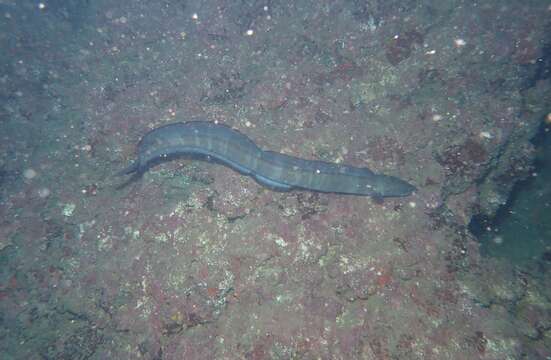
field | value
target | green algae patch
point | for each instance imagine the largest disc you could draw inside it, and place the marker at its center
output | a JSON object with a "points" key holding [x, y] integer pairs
{"points": [[352, 316], [377, 85], [68, 209]]}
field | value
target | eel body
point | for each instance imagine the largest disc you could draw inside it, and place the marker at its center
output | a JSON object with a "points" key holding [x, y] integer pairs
{"points": [[215, 142]]}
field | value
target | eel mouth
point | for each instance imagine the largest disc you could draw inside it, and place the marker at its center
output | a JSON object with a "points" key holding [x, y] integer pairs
{"points": [[128, 170]]}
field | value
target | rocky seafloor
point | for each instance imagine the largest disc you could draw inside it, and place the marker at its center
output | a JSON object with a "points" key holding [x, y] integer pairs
{"points": [[195, 261]]}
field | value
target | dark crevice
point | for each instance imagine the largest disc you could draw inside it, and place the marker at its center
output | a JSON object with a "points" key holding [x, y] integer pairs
{"points": [[480, 224], [541, 69]]}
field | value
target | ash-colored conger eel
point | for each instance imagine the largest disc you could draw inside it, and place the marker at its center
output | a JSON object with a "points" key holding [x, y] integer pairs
{"points": [[215, 142]]}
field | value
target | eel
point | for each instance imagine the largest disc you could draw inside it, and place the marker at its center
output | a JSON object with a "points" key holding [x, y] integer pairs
{"points": [[219, 143]]}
